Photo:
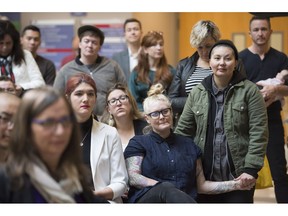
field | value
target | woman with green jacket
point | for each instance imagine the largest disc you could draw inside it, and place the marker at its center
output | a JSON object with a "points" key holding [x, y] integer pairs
{"points": [[226, 116]]}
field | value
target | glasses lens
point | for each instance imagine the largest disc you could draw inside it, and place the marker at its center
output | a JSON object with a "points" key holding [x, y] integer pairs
{"points": [[165, 112]]}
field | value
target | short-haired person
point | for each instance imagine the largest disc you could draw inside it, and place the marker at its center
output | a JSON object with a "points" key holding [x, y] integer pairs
{"points": [[190, 71], [7, 85], [226, 117], [16, 63], [101, 144], [261, 62], [105, 72], [128, 58], [45, 163], [164, 167], [8, 108], [31, 41]]}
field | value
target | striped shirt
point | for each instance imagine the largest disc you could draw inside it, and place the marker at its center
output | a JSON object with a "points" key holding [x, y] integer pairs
{"points": [[196, 78]]}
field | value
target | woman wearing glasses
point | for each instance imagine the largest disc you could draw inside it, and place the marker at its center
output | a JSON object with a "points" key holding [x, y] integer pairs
{"points": [[164, 167], [44, 163], [152, 67], [123, 114], [101, 144]]}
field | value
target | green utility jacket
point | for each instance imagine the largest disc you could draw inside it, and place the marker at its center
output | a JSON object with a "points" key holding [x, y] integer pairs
{"points": [[245, 124]]}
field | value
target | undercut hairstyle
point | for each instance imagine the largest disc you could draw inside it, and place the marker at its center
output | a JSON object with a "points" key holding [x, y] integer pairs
{"points": [[31, 27]]}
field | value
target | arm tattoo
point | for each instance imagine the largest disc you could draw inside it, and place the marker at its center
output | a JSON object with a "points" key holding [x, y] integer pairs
{"points": [[136, 179]]}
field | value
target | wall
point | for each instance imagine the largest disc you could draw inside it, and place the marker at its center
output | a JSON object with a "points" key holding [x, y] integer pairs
{"points": [[228, 23]]}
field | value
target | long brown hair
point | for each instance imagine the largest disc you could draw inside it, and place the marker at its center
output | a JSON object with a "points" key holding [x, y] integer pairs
{"points": [[163, 74], [22, 148]]}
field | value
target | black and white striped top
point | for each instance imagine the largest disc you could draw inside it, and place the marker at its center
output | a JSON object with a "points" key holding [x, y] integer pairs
{"points": [[196, 77]]}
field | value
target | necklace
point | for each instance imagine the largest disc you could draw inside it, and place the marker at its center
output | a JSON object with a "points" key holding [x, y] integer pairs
{"points": [[82, 142]]}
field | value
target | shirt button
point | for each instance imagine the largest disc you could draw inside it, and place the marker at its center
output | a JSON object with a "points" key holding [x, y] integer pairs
{"points": [[172, 161], [197, 112], [168, 150], [242, 108]]}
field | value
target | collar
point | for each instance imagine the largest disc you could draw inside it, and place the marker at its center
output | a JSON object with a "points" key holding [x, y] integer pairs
{"points": [[159, 139], [98, 60]]}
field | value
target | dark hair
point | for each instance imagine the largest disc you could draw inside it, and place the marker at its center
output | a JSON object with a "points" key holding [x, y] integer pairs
{"points": [[260, 18], [132, 20], [227, 43], [31, 27], [75, 80], [7, 28], [33, 103]]}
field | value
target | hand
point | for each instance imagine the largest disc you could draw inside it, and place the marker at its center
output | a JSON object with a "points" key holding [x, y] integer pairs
{"points": [[268, 91], [245, 182]]}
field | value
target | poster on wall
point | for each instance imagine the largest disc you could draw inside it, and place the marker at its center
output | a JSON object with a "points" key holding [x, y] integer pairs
{"points": [[56, 36], [114, 35]]}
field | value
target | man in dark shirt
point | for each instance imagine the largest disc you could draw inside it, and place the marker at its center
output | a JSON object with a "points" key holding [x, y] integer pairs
{"points": [[262, 62], [31, 40]]}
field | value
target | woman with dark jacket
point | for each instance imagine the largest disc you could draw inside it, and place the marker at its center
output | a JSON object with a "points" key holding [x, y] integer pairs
{"points": [[192, 70]]}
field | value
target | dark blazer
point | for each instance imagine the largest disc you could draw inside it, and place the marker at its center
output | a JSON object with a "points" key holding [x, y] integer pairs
{"points": [[122, 58]]}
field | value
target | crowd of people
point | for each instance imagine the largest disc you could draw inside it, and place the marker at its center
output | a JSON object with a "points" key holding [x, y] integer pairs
{"points": [[135, 129]]}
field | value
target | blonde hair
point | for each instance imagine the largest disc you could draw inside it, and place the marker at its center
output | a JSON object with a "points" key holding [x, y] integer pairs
{"points": [[202, 30], [155, 93]]}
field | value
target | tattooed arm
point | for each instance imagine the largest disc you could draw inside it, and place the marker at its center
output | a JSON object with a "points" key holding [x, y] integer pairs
{"points": [[136, 179], [211, 187]]}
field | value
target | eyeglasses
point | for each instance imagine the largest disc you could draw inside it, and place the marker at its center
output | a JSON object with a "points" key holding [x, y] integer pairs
{"points": [[121, 99], [9, 90], [156, 114], [51, 124], [6, 119]]}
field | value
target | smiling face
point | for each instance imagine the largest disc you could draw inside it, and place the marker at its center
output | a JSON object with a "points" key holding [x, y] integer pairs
{"points": [[51, 140], [83, 100]]}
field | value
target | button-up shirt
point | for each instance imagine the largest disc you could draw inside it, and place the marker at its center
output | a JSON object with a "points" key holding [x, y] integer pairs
{"points": [[166, 160]]}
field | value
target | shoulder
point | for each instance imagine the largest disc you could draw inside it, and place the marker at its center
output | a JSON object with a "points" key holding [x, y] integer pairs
{"points": [[104, 127], [121, 53]]}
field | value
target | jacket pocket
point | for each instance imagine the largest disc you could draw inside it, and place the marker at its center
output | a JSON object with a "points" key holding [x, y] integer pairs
{"points": [[240, 116]]}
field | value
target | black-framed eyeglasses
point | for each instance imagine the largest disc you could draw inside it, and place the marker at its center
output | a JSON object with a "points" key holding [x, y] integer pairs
{"points": [[6, 119], [51, 123], [156, 114], [121, 99]]}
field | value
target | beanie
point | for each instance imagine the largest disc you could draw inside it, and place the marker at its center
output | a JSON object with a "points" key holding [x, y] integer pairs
{"points": [[226, 43]]}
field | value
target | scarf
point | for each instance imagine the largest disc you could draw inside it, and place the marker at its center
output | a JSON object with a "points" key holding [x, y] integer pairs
{"points": [[53, 191], [6, 67]]}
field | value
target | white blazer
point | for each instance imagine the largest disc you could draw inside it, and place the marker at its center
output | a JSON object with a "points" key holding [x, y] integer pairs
{"points": [[107, 160], [28, 75]]}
